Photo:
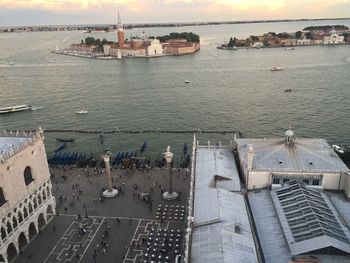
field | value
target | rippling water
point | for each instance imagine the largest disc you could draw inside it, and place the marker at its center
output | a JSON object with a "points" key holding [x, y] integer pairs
{"points": [[227, 89]]}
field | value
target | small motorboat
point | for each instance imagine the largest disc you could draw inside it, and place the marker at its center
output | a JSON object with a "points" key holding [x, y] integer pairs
{"points": [[65, 139], [276, 68], [338, 148], [187, 81], [288, 90], [289, 48], [81, 112]]}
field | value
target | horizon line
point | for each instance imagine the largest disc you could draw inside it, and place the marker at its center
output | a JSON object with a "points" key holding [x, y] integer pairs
{"points": [[199, 23]]}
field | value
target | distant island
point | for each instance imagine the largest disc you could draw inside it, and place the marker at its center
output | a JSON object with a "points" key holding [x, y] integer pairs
{"points": [[313, 35], [172, 44], [112, 27]]}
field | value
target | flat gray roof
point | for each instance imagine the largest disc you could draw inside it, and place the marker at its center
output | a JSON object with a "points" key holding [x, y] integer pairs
{"points": [[307, 155], [221, 229], [270, 232]]}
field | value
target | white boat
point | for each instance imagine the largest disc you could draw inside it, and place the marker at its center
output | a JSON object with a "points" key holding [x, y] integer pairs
{"points": [[338, 148], [187, 81], [81, 112], [15, 108], [289, 48], [276, 68]]}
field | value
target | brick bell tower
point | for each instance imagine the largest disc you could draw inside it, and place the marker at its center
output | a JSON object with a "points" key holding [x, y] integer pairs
{"points": [[120, 32]]}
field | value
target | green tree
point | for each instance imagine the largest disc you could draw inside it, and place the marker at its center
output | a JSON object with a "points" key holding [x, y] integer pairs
{"points": [[104, 41], [298, 34]]}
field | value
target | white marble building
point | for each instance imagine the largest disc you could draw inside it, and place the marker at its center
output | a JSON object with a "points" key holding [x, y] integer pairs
{"points": [[333, 38], [26, 201]]}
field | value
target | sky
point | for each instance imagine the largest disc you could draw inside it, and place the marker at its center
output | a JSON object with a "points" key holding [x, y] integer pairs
{"points": [[64, 12]]}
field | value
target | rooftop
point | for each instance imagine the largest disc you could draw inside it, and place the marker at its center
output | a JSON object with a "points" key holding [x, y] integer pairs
{"points": [[276, 247], [221, 230], [11, 143], [306, 155], [309, 219]]}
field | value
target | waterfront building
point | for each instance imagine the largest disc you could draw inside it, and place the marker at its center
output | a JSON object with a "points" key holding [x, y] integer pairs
{"points": [[268, 162], [288, 42], [333, 38], [258, 44], [180, 47], [26, 201], [83, 48], [273, 42], [303, 42], [316, 41], [154, 48]]}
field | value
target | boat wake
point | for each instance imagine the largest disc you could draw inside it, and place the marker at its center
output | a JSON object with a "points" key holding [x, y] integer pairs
{"points": [[37, 108]]}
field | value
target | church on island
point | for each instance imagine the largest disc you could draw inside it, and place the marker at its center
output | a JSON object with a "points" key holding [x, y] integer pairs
{"points": [[147, 47]]}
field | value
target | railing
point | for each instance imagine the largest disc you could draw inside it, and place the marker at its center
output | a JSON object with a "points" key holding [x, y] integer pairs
{"points": [[117, 130]]}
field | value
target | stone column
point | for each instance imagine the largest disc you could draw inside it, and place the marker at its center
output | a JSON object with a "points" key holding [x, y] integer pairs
{"points": [[169, 195], [110, 192]]}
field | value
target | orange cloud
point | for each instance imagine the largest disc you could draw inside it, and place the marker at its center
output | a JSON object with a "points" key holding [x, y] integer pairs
{"points": [[153, 8]]}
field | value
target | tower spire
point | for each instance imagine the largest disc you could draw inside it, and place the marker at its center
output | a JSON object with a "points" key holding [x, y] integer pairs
{"points": [[120, 32], [120, 25]]}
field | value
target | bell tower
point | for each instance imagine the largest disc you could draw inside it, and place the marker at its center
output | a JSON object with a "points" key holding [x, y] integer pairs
{"points": [[120, 32]]}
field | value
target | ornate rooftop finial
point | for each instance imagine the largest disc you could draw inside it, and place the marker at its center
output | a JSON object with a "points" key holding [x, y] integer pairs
{"points": [[289, 134], [40, 133]]}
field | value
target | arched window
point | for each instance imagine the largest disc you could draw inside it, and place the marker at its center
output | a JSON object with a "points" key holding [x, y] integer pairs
{"points": [[28, 178], [2, 197]]}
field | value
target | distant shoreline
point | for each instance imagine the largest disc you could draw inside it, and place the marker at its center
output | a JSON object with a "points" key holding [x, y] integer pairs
{"points": [[44, 28]]}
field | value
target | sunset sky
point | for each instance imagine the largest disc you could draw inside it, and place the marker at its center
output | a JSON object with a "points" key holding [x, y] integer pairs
{"points": [[53, 12]]}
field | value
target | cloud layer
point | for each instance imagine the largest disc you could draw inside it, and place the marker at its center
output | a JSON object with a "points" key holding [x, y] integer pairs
{"points": [[17, 12]]}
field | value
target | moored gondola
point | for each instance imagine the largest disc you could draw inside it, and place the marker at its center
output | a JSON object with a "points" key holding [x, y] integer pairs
{"points": [[65, 139]]}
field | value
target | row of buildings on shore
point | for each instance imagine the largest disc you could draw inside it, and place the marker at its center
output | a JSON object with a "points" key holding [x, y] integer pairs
{"points": [[136, 47], [317, 37]]}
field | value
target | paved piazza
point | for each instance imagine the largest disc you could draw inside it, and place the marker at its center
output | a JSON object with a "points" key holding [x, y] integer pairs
{"points": [[89, 228]]}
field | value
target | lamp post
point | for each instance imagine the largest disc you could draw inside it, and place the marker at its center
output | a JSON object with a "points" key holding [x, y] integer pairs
{"points": [[110, 192], [169, 195]]}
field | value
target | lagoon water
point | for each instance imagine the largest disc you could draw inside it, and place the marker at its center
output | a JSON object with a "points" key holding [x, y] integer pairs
{"points": [[228, 89]]}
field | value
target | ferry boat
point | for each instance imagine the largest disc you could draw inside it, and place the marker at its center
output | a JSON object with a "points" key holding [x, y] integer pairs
{"points": [[15, 108]]}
